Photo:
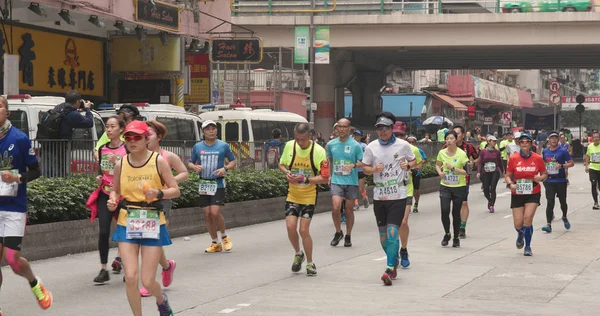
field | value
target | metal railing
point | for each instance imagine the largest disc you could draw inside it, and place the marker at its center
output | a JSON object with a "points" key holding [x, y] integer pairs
{"points": [[344, 7]]}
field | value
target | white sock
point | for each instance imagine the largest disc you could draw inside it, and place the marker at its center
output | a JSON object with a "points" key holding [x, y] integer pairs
{"points": [[223, 235], [216, 240], [299, 253]]}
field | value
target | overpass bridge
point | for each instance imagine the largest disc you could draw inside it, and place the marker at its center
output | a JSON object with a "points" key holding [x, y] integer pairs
{"points": [[369, 38]]}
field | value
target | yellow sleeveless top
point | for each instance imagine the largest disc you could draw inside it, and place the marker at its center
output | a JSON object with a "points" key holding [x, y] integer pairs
{"points": [[133, 180]]}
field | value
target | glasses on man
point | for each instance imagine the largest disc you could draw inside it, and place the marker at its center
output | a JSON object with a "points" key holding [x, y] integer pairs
{"points": [[133, 138], [383, 128]]}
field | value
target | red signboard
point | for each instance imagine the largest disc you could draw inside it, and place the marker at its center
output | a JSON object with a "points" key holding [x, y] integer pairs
{"points": [[200, 79]]}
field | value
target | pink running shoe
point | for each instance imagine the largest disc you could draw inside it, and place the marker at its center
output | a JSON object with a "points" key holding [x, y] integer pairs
{"points": [[144, 292], [167, 275], [491, 209]]}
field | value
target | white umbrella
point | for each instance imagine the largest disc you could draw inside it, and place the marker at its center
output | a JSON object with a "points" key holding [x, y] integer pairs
{"points": [[437, 120]]}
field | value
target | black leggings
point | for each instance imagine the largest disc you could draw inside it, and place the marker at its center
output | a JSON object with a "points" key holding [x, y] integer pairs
{"points": [[490, 181], [105, 218], [594, 178], [454, 197], [554, 189]]}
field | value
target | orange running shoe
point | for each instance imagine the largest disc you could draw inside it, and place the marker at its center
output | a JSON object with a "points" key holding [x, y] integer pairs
{"points": [[43, 296]]}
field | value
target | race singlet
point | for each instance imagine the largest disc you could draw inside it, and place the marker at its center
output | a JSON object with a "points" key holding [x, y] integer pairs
{"points": [[304, 172]]}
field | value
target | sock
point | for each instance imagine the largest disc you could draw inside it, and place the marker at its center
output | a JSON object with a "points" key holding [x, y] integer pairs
{"points": [[528, 233], [33, 283], [393, 245], [216, 240], [223, 235], [463, 224], [299, 253], [520, 231], [309, 263]]}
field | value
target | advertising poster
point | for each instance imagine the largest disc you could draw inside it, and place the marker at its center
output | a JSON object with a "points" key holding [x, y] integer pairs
{"points": [[301, 46], [321, 45]]}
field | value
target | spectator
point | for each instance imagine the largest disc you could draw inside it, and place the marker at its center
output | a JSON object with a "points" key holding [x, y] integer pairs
{"points": [[274, 148], [441, 133]]}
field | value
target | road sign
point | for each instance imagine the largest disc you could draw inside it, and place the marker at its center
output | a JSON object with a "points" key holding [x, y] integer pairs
{"points": [[507, 116], [555, 98], [554, 86]]}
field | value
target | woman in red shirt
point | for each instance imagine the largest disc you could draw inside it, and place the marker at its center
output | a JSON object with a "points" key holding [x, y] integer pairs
{"points": [[524, 173]]}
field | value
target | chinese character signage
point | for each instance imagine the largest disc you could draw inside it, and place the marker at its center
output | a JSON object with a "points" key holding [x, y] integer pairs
{"points": [[322, 45], [301, 48], [164, 15], [236, 51], [200, 92], [73, 62], [130, 55]]}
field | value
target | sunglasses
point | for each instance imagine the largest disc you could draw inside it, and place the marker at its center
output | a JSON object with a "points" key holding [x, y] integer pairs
{"points": [[133, 138], [383, 128], [524, 141]]}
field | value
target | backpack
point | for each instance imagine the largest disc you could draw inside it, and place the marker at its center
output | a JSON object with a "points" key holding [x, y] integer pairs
{"points": [[312, 161], [49, 125], [273, 155]]}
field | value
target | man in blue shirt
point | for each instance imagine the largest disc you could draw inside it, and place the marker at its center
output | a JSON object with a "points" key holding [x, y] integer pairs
{"points": [[18, 165], [557, 161], [343, 154], [274, 148], [208, 160]]}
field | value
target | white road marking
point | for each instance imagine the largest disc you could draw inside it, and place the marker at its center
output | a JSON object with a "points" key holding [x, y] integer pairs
{"points": [[228, 310], [244, 305], [380, 259], [503, 194], [507, 216]]}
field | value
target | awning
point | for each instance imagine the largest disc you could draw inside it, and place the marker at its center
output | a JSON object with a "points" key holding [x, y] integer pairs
{"points": [[449, 100]]}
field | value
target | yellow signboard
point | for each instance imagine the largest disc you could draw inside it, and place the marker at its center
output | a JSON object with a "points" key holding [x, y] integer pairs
{"points": [[128, 54], [51, 62]]}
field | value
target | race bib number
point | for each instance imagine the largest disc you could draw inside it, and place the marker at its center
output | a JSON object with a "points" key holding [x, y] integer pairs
{"points": [[106, 166], [552, 167], [451, 178], [595, 157], [207, 187], [143, 224], [9, 189], [305, 172], [388, 190], [489, 167], [338, 168], [524, 186]]}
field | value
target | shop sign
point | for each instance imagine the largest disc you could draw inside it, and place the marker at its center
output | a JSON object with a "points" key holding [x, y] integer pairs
{"points": [[162, 14], [488, 120], [480, 116], [491, 91], [130, 55], [73, 62], [236, 51], [591, 103], [199, 66]]}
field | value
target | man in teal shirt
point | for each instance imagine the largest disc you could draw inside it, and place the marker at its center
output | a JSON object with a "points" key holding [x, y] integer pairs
{"points": [[343, 154]]}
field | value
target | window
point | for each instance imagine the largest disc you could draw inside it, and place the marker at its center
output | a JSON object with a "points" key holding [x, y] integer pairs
{"points": [[219, 131], [245, 131], [19, 120], [232, 132], [178, 129], [199, 125], [258, 130]]}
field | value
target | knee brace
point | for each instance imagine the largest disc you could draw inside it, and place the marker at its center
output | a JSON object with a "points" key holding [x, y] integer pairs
{"points": [[10, 260]]}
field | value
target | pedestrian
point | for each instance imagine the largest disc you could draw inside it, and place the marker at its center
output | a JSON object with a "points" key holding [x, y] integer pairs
{"points": [[489, 169], [557, 161], [302, 192], [592, 165], [19, 166], [208, 160], [343, 154], [158, 132], [140, 179], [451, 166], [388, 159], [358, 136], [442, 132], [274, 148], [528, 170]]}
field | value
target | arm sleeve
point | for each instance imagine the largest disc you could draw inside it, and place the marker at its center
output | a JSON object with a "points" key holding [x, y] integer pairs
{"points": [[76, 120]]}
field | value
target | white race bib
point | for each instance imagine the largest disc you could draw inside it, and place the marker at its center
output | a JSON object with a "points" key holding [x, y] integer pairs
{"points": [[9, 189], [489, 167], [143, 224], [595, 157], [524, 186], [207, 187], [451, 178], [338, 168], [552, 167], [389, 190]]}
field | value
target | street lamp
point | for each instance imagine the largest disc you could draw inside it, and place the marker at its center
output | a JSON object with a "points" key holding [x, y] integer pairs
{"points": [[64, 14]]}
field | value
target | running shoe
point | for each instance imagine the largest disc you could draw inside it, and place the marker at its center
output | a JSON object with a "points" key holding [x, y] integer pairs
{"points": [[404, 258], [164, 308], [366, 203], [298, 260], [596, 206], [394, 272], [387, 277], [214, 247], [527, 252], [43, 296], [227, 245], [567, 224], [144, 292], [415, 208], [462, 233], [356, 207], [167, 275], [455, 243], [446, 240], [102, 276], [492, 209], [347, 241], [117, 265], [520, 242], [336, 238], [311, 269], [547, 228]]}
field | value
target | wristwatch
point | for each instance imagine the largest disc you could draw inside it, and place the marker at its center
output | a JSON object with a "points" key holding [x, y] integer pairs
{"points": [[160, 195], [226, 169]]}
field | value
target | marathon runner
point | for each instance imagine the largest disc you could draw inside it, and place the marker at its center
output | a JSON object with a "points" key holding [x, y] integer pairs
{"points": [[489, 170], [343, 154], [128, 112], [140, 179], [157, 133], [416, 173], [388, 159], [592, 165], [557, 161], [358, 135], [208, 160], [528, 170], [18, 165], [451, 166], [301, 161]]}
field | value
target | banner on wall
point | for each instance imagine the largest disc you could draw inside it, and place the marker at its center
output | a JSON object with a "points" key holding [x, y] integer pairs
{"points": [[130, 55], [200, 91], [301, 46], [322, 45]]}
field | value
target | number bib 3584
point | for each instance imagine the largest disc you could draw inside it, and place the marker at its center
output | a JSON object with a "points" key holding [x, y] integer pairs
{"points": [[207, 187], [143, 224], [524, 186], [9, 189], [451, 178]]}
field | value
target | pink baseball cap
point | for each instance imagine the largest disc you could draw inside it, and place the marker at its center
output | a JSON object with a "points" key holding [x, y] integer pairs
{"points": [[399, 127]]}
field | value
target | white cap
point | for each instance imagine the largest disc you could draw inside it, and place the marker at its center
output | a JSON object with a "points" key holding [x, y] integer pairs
{"points": [[491, 137], [207, 123], [517, 134]]}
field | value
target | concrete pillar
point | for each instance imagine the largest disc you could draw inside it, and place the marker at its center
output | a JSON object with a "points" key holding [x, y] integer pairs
{"points": [[324, 81], [366, 96]]}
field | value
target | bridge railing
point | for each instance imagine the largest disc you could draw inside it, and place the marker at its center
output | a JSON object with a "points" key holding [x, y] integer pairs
{"points": [[378, 7]]}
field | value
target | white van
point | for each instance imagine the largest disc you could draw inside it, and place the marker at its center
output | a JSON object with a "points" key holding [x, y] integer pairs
{"points": [[26, 112], [184, 128], [247, 131]]}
